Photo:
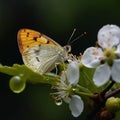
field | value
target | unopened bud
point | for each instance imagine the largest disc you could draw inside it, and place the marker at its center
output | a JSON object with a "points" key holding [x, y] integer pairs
{"points": [[113, 104]]}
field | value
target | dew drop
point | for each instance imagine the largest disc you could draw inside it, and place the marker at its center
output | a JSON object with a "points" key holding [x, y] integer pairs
{"points": [[58, 102], [74, 89], [17, 84]]}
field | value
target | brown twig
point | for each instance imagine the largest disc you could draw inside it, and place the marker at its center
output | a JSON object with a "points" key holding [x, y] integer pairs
{"points": [[100, 99]]}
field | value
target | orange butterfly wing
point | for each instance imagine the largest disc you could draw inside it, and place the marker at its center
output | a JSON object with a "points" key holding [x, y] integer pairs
{"points": [[28, 38]]}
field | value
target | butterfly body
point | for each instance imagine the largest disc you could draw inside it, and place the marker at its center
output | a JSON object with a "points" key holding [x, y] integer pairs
{"points": [[39, 52]]}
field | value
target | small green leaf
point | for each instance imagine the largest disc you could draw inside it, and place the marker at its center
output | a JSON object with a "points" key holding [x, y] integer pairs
{"points": [[28, 74], [86, 79]]}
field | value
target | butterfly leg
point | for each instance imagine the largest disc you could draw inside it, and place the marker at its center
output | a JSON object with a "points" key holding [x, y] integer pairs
{"points": [[60, 68], [56, 68]]}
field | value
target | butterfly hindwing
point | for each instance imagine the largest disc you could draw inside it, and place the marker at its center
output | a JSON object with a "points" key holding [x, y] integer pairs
{"points": [[42, 58]]}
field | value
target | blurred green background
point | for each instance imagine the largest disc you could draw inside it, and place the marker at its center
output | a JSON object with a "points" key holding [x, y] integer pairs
{"points": [[57, 19]]}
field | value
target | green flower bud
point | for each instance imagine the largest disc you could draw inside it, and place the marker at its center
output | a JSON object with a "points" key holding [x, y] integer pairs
{"points": [[113, 104], [17, 84]]}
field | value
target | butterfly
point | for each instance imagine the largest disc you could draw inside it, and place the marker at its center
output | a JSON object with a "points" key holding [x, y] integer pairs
{"points": [[39, 52]]}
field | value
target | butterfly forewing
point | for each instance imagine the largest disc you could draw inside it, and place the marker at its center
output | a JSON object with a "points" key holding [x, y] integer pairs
{"points": [[28, 38]]}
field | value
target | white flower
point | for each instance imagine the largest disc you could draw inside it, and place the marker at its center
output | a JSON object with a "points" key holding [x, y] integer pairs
{"points": [[76, 105], [65, 89], [106, 59]]}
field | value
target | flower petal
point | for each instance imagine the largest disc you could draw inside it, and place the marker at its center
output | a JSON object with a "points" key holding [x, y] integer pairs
{"points": [[102, 74], [116, 70], [91, 57], [73, 72], [109, 36], [118, 50], [76, 105]]}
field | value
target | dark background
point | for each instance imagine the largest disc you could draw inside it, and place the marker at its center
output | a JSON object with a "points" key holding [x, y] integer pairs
{"points": [[57, 19]]}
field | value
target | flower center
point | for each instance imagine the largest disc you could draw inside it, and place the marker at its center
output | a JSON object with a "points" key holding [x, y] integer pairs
{"points": [[69, 89], [110, 55]]}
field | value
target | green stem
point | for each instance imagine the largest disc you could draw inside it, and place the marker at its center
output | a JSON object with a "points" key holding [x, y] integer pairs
{"points": [[81, 88], [107, 88], [84, 93]]}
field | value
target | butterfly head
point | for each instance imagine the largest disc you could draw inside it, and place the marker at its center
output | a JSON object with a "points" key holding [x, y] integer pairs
{"points": [[67, 48]]}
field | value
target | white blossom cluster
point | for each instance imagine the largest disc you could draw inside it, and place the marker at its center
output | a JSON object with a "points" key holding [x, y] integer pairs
{"points": [[105, 58]]}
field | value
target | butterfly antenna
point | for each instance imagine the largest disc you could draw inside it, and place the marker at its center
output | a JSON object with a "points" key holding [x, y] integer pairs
{"points": [[71, 36], [78, 37]]}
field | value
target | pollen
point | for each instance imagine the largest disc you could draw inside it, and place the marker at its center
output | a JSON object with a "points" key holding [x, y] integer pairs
{"points": [[95, 52]]}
